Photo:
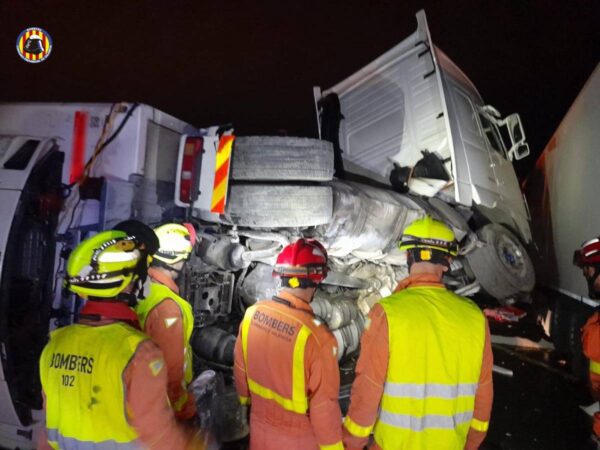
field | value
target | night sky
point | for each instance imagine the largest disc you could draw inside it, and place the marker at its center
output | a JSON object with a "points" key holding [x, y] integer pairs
{"points": [[254, 63]]}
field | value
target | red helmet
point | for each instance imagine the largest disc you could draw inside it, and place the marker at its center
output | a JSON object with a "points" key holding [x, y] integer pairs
{"points": [[588, 254], [302, 264]]}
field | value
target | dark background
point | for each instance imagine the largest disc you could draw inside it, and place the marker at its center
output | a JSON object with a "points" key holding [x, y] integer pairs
{"points": [[254, 63]]}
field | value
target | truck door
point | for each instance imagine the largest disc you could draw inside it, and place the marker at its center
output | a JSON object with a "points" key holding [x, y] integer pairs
{"points": [[468, 138], [508, 184]]}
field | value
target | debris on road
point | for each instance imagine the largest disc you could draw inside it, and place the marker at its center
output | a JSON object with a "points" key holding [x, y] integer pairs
{"points": [[503, 371], [505, 313], [590, 410], [517, 341]]}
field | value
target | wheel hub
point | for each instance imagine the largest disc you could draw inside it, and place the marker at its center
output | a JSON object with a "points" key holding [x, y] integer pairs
{"points": [[511, 255]]}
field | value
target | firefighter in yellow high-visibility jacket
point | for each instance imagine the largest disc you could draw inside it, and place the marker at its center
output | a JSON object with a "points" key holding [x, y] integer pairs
{"points": [[424, 375], [168, 318], [103, 380]]}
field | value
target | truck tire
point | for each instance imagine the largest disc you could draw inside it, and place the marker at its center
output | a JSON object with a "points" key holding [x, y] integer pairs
{"points": [[502, 266], [281, 158], [279, 206]]}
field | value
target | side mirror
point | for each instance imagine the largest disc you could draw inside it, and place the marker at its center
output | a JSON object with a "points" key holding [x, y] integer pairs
{"points": [[515, 129], [518, 151]]}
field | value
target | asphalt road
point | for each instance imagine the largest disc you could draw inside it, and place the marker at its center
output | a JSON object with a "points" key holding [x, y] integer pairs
{"points": [[538, 407], [535, 409]]}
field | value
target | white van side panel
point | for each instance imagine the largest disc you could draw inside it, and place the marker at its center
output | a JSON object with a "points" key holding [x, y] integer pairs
{"points": [[121, 158], [54, 120]]}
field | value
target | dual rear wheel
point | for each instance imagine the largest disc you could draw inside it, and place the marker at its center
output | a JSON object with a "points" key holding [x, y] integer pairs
{"points": [[279, 182]]}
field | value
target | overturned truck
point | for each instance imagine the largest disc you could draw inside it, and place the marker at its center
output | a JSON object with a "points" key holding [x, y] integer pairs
{"points": [[405, 136]]}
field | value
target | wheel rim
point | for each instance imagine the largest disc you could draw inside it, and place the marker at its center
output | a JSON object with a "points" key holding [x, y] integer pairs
{"points": [[511, 255]]}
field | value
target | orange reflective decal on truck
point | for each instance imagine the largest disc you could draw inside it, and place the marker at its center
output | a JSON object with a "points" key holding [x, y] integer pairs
{"points": [[80, 124], [219, 196]]}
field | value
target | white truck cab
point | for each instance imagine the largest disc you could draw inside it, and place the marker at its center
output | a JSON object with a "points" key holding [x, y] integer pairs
{"points": [[413, 107]]}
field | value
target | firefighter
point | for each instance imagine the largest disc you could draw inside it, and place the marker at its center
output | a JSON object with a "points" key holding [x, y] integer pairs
{"points": [[104, 381], [285, 360], [588, 259], [166, 317], [424, 375]]}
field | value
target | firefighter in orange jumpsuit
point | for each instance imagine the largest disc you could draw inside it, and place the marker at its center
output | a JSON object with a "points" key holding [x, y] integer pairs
{"points": [[588, 259], [103, 380], [424, 375], [285, 361]]}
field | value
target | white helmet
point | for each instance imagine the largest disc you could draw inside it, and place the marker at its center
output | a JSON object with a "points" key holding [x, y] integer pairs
{"points": [[176, 242]]}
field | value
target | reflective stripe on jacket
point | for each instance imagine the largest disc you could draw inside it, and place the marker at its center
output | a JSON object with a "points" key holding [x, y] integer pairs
{"points": [[159, 293], [436, 343], [591, 342], [58, 441], [591, 348], [286, 367], [298, 334], [81, 369]]}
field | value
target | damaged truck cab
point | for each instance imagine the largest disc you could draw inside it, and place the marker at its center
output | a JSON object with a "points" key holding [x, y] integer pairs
{"points": [[405, 136], [413, 120]]}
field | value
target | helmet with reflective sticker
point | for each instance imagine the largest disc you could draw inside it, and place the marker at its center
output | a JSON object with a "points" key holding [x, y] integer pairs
{"points": [[142, 232], [430, 235], [588, 254], [105, 264], [176, 242], [302, 264]]}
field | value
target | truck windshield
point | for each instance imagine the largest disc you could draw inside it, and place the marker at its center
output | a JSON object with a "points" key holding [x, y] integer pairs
{"points": [[492, 134], [20, 159]]}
